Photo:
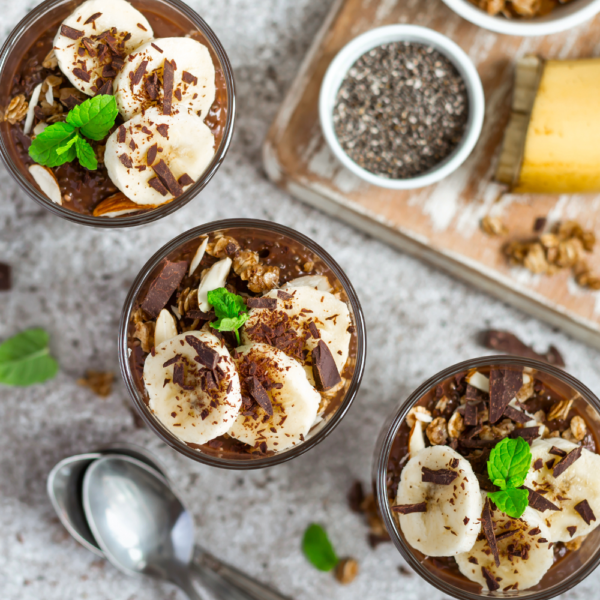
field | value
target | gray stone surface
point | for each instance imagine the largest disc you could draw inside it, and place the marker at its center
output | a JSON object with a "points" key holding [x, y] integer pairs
{"points": [[73, 281]]}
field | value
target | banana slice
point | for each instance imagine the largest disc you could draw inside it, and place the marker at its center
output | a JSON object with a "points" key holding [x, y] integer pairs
{"points": [[319, 282], [451, 521], [294, 402], [525, 555], [141, 85], [194, 402], [94, 39], [298, 312], [579, 482], [153, 157]]}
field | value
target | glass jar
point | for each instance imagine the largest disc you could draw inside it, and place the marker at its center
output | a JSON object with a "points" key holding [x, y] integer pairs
{"points": [[48, 16], [565, 572], [280, 237]]}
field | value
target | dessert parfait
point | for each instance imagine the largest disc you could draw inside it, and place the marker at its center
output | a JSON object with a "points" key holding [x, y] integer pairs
{"points": [[491, 480], [242, 343], [116, 109]]}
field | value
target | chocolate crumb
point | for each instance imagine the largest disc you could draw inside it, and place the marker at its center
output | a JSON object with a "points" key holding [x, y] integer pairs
{"points": [[585, 511], [121, 134], [356, 496], [471, 412], [268, 303], [538, 501], [516, 415], [105, 89], [81, 74], [504, 385], [407, 509], [168, 82], [206, 355], [126, 161], [163, 286], [157, 184], [488, 530], [527, 433], [163, 129], [71, 33], [5, 277], [185, 180], [139, 74], [284, 295], [156, 47], [539, 224], [506, 534], [491, 581], [314, 331], [439, 476], [538, 464], [189, 78], [324, 368], [92, 18], [557, 451], [151, 154], [167, 177], [566, 462], [572, 529]]}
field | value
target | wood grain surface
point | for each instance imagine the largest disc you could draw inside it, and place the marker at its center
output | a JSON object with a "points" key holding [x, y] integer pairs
{"points": [[440, 223]]}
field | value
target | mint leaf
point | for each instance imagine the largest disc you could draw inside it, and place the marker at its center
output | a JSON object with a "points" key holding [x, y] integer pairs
{"points": [[509, 462], [25, 359], [67, 146], [318, 549], [511, 501], [95, 116], [43, 149], [230, 309], [86, 154]]}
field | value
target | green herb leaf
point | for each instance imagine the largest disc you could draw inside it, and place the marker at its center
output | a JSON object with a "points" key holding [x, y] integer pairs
{"points": [[44, 147], [509, 463], [318, 549], [25, 359], [86, 154], [67, 146], [511, 501], [95, 116], [230, 309]]}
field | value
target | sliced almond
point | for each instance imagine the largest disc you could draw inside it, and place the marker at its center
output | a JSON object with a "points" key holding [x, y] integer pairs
{"points": [[47, 182], [165, 329], [35, 97], [420, 413], [198, 256], [214, 278], [118, 205], [39, 127], [416, 441], [479, 381]]}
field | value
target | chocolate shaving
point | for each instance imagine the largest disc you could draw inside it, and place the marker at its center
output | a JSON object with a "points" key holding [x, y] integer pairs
{"points": [[151, 154], [141, 27], [527, 433], [5, 277], [471, 412], [324, 368], [157, 184], [71, 101], [572, 529], [108, 71], [179, 375], [538, 501], [439, 476], [268, 303], [163, 129], [488, 530], [156, 47], [139, 73], [89, 46], [117, 62], [258, 392], [126, 161], [538, 464], [471, 443], [284, 295], [121, 134], [163, 286], [167, 177], [168, 82], [504, 385], [151, 86], [407, 509], [92, 18], [105, 89], [491, 581], [314, 331], [72, 34], [184, 180], [189, 78], [516, 415], [566, 462], [206, 355], [585, 511], [178, 95], [81, 74], [506, 534], [172, 361], [557, 452], [507, 342]]}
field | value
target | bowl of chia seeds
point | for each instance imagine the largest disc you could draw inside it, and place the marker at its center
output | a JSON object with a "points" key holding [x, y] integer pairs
{"points": [[401, 106]]}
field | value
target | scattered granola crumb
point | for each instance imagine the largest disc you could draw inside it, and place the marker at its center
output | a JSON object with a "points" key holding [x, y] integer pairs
{"points": [[346, 571], [99, 382], [493, 226], [17, 109]]}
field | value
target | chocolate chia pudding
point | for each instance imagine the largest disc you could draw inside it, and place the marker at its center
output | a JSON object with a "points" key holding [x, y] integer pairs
{"points": [[490, 480], [243, 343], [116, 109]]}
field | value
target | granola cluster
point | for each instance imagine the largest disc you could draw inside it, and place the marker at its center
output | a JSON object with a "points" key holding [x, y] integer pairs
{"points": [[526, 9]]}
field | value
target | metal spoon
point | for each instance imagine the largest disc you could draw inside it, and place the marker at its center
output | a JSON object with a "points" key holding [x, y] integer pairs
{"points": [[143, 528], [64, 489]]}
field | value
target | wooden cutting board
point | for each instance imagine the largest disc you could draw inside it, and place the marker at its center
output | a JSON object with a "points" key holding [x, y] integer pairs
{"points": [[441, 223]]}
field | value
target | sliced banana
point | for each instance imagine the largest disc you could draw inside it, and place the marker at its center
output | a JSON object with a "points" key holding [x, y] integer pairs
{"points": [[140, 85], [525, 555], [84, 26], [319, 282], [192, 413], [307, 305], [451, 522], [295, 403], [139, 150], [579, 482]]}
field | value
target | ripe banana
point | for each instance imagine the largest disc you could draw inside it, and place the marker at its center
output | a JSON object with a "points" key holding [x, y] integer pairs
{"points": [[295, 403], [76, 40], [140, 85], [194, 402], [578, 482], [319, 282], [153, 157], [451, 521]]}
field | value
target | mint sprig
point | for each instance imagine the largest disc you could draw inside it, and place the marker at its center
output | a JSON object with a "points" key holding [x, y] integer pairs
{"points": [[25, 359], [508, 466], [318, 549], [63, 142], [230, 309]]}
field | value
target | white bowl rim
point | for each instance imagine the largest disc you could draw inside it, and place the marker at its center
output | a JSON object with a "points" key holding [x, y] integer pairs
{"points": [[554, 22], [350, 53]]}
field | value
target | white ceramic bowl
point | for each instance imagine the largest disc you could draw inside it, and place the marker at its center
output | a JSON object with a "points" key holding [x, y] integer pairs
{"points": [[563, 17], [350, 53]]}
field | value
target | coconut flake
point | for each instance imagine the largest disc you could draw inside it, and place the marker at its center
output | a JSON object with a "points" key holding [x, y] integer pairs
{"points": [[198, 256], [49, 94], [480, 381], [40, 127], [35, 97], [45, 178], [166, 328], [215, 278]]}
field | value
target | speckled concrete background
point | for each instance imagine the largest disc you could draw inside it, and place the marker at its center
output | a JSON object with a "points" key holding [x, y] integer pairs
{"points": [[73, 281]]}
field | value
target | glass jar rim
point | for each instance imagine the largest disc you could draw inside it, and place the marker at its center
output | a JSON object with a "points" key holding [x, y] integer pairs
{"points": [[137, 398], [146, 217], [380, 469]]}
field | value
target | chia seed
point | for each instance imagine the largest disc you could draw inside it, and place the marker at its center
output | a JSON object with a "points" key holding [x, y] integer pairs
{"points": [[401, 109]]}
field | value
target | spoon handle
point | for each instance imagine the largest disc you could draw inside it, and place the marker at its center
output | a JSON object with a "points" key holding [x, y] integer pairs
{"points": [[226, 582]]}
